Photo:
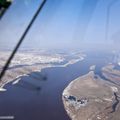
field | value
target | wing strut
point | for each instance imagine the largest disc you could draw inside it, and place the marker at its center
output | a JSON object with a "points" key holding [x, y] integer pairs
{"points": [[21, 39]]}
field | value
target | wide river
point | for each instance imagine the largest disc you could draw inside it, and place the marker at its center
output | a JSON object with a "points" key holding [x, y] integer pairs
{"points": [[45, 104]]}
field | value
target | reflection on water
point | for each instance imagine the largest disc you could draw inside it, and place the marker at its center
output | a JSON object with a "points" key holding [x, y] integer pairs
{"points": [[36, 99]]}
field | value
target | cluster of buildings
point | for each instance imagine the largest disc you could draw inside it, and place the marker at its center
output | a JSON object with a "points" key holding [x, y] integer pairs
{"points": [[77, 103]]}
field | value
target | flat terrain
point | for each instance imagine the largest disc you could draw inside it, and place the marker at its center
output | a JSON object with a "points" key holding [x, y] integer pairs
{"points": [[26, 62], [111, 73], [91, 98]]}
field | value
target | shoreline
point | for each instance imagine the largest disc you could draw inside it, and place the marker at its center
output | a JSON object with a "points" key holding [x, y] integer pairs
{"points": [[89, 95], [73, 61]]}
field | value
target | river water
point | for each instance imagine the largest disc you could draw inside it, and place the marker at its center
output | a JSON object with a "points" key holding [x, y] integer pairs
{"points": [[45, 104]]}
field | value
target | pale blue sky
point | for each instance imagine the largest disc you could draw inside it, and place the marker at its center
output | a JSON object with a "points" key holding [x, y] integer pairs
{"points": [[62, 24]]}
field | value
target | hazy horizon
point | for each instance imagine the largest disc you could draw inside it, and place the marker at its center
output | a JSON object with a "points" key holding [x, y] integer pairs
{"points": [[64, 24]]}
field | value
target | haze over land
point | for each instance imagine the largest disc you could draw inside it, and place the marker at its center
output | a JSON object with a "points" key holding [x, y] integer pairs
{"points": [[68, 66], [64, 24]]}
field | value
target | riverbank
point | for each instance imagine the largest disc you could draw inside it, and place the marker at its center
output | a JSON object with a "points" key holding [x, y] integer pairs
{"points": [[25, 63], [90, 97]]}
